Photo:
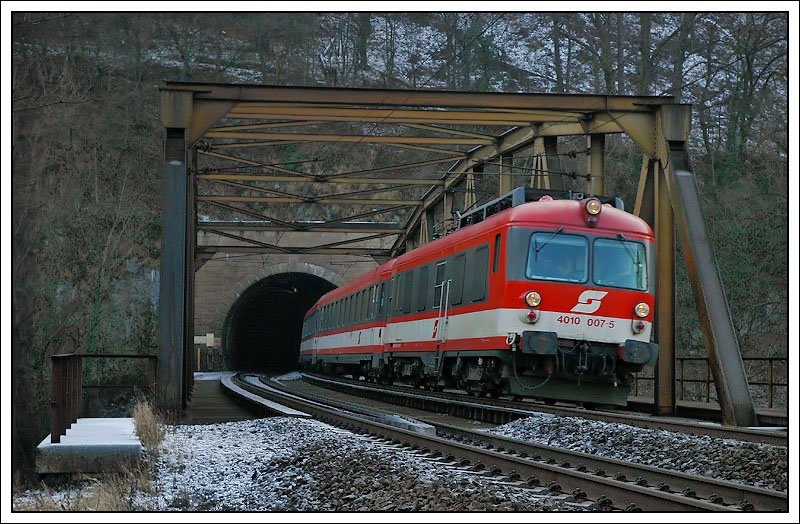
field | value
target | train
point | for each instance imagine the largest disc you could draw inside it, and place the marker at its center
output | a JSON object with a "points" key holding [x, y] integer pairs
{"points": [[543, 294]]}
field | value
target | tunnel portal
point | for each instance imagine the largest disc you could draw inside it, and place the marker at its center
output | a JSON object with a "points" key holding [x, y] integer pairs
{"points": [[262, 330]]}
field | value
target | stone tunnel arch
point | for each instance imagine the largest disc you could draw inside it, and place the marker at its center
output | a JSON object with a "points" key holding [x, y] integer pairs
{"points": [[262, 324]]}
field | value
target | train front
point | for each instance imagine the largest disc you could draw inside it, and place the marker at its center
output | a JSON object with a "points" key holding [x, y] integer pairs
{"points": [[582, 294]]}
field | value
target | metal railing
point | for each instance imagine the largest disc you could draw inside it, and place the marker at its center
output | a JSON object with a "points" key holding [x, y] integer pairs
{"points": [[681, 380], [66, 403]]}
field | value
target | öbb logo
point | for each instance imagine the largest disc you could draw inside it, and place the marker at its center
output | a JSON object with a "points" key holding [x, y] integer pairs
{"points": [[589, 301]]}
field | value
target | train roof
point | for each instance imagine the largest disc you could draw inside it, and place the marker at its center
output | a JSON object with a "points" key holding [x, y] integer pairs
{"points": [[569, 214]]}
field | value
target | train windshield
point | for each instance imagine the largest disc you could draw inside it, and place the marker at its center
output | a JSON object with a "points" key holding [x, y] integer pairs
{"points": [[555, 256], [620, 263]]}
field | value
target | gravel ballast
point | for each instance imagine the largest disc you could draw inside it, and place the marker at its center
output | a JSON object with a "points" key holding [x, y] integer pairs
{"points": [[282, 464], [760, 465], [290, 464]]}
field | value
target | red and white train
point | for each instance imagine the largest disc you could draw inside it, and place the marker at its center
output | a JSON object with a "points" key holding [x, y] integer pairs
{"points": [[532, 296]]}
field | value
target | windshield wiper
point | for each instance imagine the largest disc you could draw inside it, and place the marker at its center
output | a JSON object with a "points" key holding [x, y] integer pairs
{"points": [[632, 252], [536, 242]]}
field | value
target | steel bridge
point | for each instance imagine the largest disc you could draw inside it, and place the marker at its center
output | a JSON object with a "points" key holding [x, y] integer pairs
{"points": [[262, 152]]}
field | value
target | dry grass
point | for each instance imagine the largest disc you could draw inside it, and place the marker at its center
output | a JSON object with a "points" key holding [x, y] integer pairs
{"points": [[148, 426], [112, 492]]}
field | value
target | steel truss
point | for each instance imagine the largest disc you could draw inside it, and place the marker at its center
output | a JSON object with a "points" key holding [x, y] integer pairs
{"points": [[242, 133]]}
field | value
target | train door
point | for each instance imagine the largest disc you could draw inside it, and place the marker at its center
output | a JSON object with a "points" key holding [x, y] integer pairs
{"points": [[441, 299]]}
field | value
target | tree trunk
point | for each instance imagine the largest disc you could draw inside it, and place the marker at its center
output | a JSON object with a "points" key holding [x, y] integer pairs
{"points": [[556, 36], [621, 53], [645, 68]]}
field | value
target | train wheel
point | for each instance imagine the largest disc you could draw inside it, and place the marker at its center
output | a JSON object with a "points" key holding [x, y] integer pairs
{"points": [[550, 401]]}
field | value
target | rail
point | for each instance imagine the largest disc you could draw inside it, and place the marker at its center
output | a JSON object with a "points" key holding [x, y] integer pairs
{"points": [[66, 403], [770, 384]]}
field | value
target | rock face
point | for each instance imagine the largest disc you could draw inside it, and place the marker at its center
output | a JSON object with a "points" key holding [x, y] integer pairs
{"points": [[760, 465], [281, 464]]}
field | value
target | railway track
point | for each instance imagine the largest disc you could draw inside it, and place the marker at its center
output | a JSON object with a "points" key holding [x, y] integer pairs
{"points": [[609, 483], [499, 411]]}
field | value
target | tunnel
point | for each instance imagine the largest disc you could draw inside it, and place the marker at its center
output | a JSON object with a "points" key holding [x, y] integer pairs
{"points": [[262, 330]]}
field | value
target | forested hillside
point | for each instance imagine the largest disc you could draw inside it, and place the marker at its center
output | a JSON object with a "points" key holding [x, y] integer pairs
{"points": [[87, 143]]}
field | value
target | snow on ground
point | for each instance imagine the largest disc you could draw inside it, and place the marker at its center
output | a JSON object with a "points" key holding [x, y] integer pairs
{"points": [[212, 375], [284, 464], [294, 375], [760, 465]]}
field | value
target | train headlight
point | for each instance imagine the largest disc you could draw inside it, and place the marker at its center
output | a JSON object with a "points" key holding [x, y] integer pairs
{"points": [[593, 206], [533, 299], [641, 310]]}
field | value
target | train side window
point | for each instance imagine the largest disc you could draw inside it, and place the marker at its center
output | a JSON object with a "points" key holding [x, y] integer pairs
{"points": [[422, 288], [496, 258], [408, 287], [382, 299], [364, 304], [370, 302], [457, 280], [398, 299], [348, 310], [480, 273], [439, 284]]}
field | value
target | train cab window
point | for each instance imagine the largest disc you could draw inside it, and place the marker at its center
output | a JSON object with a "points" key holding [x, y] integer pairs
{"points": [[457, 280], [422, 288], [557, 256], [479, 274], [438, 284], [619, 263], [496, 257]]}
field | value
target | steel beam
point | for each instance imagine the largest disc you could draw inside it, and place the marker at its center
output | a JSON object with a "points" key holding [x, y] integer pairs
{"points": [[172, 281], [286, 225], [269, 125], [645, 207], [506, 174], [323, 180], [719, 333], [310, 200], [247, 240], [247, 162], [293, 250], [360, 139], [447, 210], [664, 394], [421, 98], [595, 185], [446, 160], [400, 116], [553, 162], [356, 227], [432, 117]]}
